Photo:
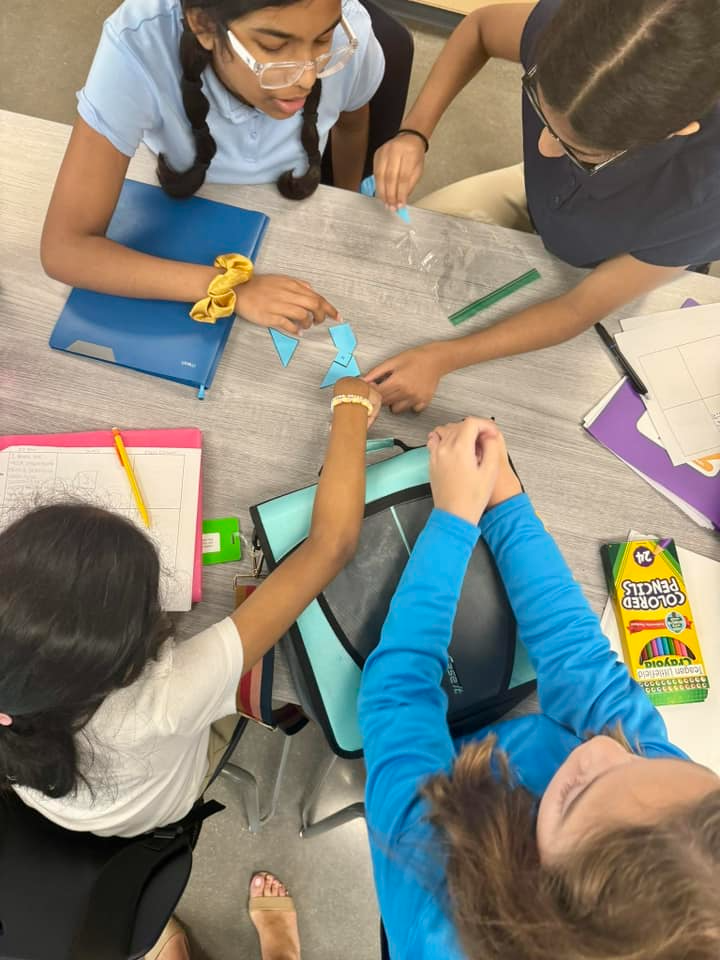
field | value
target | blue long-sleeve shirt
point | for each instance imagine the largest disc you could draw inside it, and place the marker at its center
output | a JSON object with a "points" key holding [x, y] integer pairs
{"points": [[582, 688]]}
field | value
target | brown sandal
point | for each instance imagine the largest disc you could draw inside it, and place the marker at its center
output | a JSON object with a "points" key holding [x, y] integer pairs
{"points": [[173, 936], [270, 903]]}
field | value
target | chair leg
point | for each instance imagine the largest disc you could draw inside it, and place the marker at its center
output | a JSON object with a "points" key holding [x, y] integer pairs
{"points": [[309, 829], [252, 795]]}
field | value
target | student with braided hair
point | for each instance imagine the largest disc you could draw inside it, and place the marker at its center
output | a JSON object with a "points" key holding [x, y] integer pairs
{"points": [[221, 91]]}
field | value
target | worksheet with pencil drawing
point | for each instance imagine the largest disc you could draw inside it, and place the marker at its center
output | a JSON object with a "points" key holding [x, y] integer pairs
{"points": [[168, 478], [678, 357]]}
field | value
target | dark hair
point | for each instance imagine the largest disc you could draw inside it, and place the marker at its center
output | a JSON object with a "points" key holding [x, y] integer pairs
{"points": [[194, 58], [79, 617], [628, 73], [646, 892]]}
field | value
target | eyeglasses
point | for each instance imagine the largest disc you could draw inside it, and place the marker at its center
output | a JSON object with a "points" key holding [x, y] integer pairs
{"points": [[273, 76], [530, 88]]}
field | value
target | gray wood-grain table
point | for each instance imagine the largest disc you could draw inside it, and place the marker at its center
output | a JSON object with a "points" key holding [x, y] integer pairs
{"points": [[265, 427]]}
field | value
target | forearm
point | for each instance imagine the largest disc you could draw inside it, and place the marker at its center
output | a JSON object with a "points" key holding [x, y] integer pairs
{"points": [[96, 263], [460, 59], [609, 286], [335, 527], [349, 148], [401, 699], [543, 325], [340, 497], [580, 683]]}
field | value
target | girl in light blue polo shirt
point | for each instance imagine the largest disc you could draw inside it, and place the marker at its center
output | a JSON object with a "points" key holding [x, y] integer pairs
{"points": [[232, 91]]}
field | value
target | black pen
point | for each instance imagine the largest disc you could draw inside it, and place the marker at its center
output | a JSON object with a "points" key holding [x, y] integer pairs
{"points": [[637, 384]]}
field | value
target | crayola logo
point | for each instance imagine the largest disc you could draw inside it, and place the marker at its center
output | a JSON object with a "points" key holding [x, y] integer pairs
{"points": [[666, 652]]}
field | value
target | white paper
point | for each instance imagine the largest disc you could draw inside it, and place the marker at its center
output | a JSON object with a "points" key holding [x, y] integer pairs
{"points": [[678, 357], [211, 543], [691, 726], [592, 415], [168, 478]]}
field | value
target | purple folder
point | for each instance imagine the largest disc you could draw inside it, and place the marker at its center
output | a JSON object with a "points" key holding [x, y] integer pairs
{"points": [[616, 429]]}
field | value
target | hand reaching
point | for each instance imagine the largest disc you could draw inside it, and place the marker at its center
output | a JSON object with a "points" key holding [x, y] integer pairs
{"points": [[398, 165], [290, 305], [409, 380]]}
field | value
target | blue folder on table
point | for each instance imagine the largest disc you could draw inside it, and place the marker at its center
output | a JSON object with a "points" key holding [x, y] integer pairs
{"points": [[158, 336]]}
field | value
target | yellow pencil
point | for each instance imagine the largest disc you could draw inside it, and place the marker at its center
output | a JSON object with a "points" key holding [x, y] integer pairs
{"points": [[127, 467]]}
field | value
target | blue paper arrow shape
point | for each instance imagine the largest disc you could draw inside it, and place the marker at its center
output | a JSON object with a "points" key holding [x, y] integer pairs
{"points": [[285, 345], [337, 370]]}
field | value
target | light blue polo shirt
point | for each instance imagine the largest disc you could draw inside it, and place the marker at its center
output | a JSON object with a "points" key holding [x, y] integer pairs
{"points": [[132, 96]]}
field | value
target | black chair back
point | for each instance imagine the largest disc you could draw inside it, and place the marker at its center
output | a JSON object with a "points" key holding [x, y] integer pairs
{"points": [[387, 106], [66, 895]]}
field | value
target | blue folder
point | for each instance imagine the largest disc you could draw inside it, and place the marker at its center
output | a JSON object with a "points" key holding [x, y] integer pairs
{"points": [[158, 336]]}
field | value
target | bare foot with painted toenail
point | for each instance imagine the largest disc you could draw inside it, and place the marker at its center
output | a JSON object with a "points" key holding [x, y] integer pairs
{"points": [[273, 914]]}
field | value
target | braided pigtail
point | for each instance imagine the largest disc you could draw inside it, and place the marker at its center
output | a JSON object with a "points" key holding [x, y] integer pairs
{"points": [[298, 188], [193, 60]]}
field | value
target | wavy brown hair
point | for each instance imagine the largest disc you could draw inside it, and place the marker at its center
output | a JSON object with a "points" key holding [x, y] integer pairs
{"points": [[628, 73], [634, 893], [194, 59]]}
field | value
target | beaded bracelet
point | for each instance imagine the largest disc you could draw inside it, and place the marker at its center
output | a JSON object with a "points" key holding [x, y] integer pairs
{"points": [[220, 301], [351, 398]]}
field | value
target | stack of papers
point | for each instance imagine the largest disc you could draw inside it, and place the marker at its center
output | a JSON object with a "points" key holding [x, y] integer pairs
{"points": [[677, 354], [671, 437]]}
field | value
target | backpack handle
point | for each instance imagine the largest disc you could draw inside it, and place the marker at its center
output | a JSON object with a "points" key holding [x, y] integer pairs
{"points": [[385, 443]]}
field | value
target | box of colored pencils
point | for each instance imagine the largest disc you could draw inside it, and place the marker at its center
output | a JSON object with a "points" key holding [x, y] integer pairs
{"points": [[655, 621]]}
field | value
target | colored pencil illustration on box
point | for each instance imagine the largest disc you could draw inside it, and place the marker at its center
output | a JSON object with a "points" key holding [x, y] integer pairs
{"points": [[645, 575], [667, 649]]}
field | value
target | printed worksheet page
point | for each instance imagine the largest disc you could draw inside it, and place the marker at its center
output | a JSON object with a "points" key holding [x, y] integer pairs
{"points": [[168, 479], [677, 354]]}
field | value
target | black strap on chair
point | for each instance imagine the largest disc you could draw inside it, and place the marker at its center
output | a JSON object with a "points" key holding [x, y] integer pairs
{"points": [[387, 106], [114, 903]]}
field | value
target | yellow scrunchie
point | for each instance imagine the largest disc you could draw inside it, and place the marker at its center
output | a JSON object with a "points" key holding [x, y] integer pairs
{"points": [[220, 301]]}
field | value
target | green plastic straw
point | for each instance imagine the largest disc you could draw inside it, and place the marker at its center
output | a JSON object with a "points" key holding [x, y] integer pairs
{"points": [[489, 299]]}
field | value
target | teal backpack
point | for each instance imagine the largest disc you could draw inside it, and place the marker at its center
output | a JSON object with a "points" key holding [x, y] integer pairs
{"points": [[488, 671]]}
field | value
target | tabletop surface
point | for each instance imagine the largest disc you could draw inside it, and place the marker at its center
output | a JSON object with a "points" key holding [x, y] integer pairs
{"points": [[265, 426]]}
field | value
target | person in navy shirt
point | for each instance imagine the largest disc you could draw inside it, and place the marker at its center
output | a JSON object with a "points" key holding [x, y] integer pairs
{"points": [[621, 161], [221, 91], [541, 837]]}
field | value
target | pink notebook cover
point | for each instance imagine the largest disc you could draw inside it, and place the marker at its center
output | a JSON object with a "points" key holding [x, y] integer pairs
{"points": [[188, 438]]}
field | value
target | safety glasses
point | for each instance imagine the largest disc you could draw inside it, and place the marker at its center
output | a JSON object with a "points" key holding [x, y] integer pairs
{"points": [[274, 76]]}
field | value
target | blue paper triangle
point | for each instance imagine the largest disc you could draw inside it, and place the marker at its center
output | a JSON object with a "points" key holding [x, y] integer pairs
{"points": [[285, 345], [404, 214], [367, 187]]}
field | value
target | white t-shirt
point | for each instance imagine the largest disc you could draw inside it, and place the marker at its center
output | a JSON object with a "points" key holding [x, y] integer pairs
{"points": [[149, 741], [132, 95]]}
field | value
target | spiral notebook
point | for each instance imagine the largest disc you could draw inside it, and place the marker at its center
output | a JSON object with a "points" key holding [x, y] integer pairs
{"points": [[158, 336]]}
